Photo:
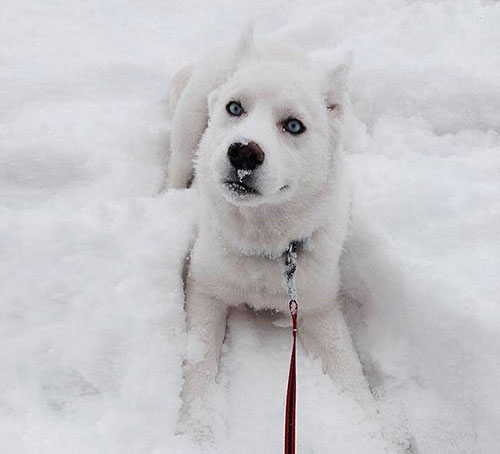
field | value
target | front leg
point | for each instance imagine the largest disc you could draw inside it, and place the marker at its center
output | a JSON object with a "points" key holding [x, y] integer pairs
{"points": [[325, 334], [206, 324]]}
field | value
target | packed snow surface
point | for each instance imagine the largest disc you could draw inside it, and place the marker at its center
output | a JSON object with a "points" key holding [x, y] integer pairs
{"points": [[92, 321]]}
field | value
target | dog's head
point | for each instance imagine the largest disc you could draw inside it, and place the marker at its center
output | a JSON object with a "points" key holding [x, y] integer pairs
{"points": [[274, 127]]}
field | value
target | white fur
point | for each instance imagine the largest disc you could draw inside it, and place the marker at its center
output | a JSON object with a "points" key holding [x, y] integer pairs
{"points": [[236, 257]]}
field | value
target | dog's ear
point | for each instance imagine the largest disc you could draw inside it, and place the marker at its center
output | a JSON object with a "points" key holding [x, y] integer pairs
{"points": [[337, 80], [244, 49], [246, 44], [211, 100], [178, 84]]}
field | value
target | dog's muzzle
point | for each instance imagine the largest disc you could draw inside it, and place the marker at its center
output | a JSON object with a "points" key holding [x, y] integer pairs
{"points": [[244, 160]]}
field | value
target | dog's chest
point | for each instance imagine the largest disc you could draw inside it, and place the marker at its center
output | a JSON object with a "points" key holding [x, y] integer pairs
{"points": [[235, 279], [259, 281]]}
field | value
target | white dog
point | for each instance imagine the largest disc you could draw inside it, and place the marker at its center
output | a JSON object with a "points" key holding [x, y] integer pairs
{"points": [[269, 171]]}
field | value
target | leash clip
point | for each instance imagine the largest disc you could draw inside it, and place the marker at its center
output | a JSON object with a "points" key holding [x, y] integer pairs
{"points": [[290, 268]]}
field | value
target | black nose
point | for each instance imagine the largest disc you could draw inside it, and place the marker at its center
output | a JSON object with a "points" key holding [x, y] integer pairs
{"points": [[246, 157]]}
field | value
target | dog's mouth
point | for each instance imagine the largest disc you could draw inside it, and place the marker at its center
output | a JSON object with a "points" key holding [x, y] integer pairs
{"points": [[240, 188]]}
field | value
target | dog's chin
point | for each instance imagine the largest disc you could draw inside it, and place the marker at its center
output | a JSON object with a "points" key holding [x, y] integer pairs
{"points": [[244, 194], [241, 193], [241, 189]]}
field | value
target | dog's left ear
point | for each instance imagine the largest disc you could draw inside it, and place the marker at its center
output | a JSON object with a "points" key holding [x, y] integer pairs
{"points": [[337, 80]]}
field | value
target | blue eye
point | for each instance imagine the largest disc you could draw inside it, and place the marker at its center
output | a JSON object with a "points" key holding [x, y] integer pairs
{"points": [[294, 126], [234, 108]]}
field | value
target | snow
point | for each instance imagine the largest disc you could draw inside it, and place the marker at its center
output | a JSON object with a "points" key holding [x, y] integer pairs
{"points": [[92, 323], [242, 173]]}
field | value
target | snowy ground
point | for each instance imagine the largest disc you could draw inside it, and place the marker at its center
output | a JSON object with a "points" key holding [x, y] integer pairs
{"points": [[91, 299]]}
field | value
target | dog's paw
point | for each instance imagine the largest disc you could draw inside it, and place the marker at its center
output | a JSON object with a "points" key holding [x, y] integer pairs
{"points": [[196, 426]]}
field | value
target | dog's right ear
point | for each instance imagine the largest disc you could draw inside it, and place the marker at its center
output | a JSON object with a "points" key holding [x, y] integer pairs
{"points": [[244, 49], [211, 100], [178, 84], [246, 44]]}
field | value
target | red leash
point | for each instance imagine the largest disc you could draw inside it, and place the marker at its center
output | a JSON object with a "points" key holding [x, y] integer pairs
{"points": [[291, 392]]}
